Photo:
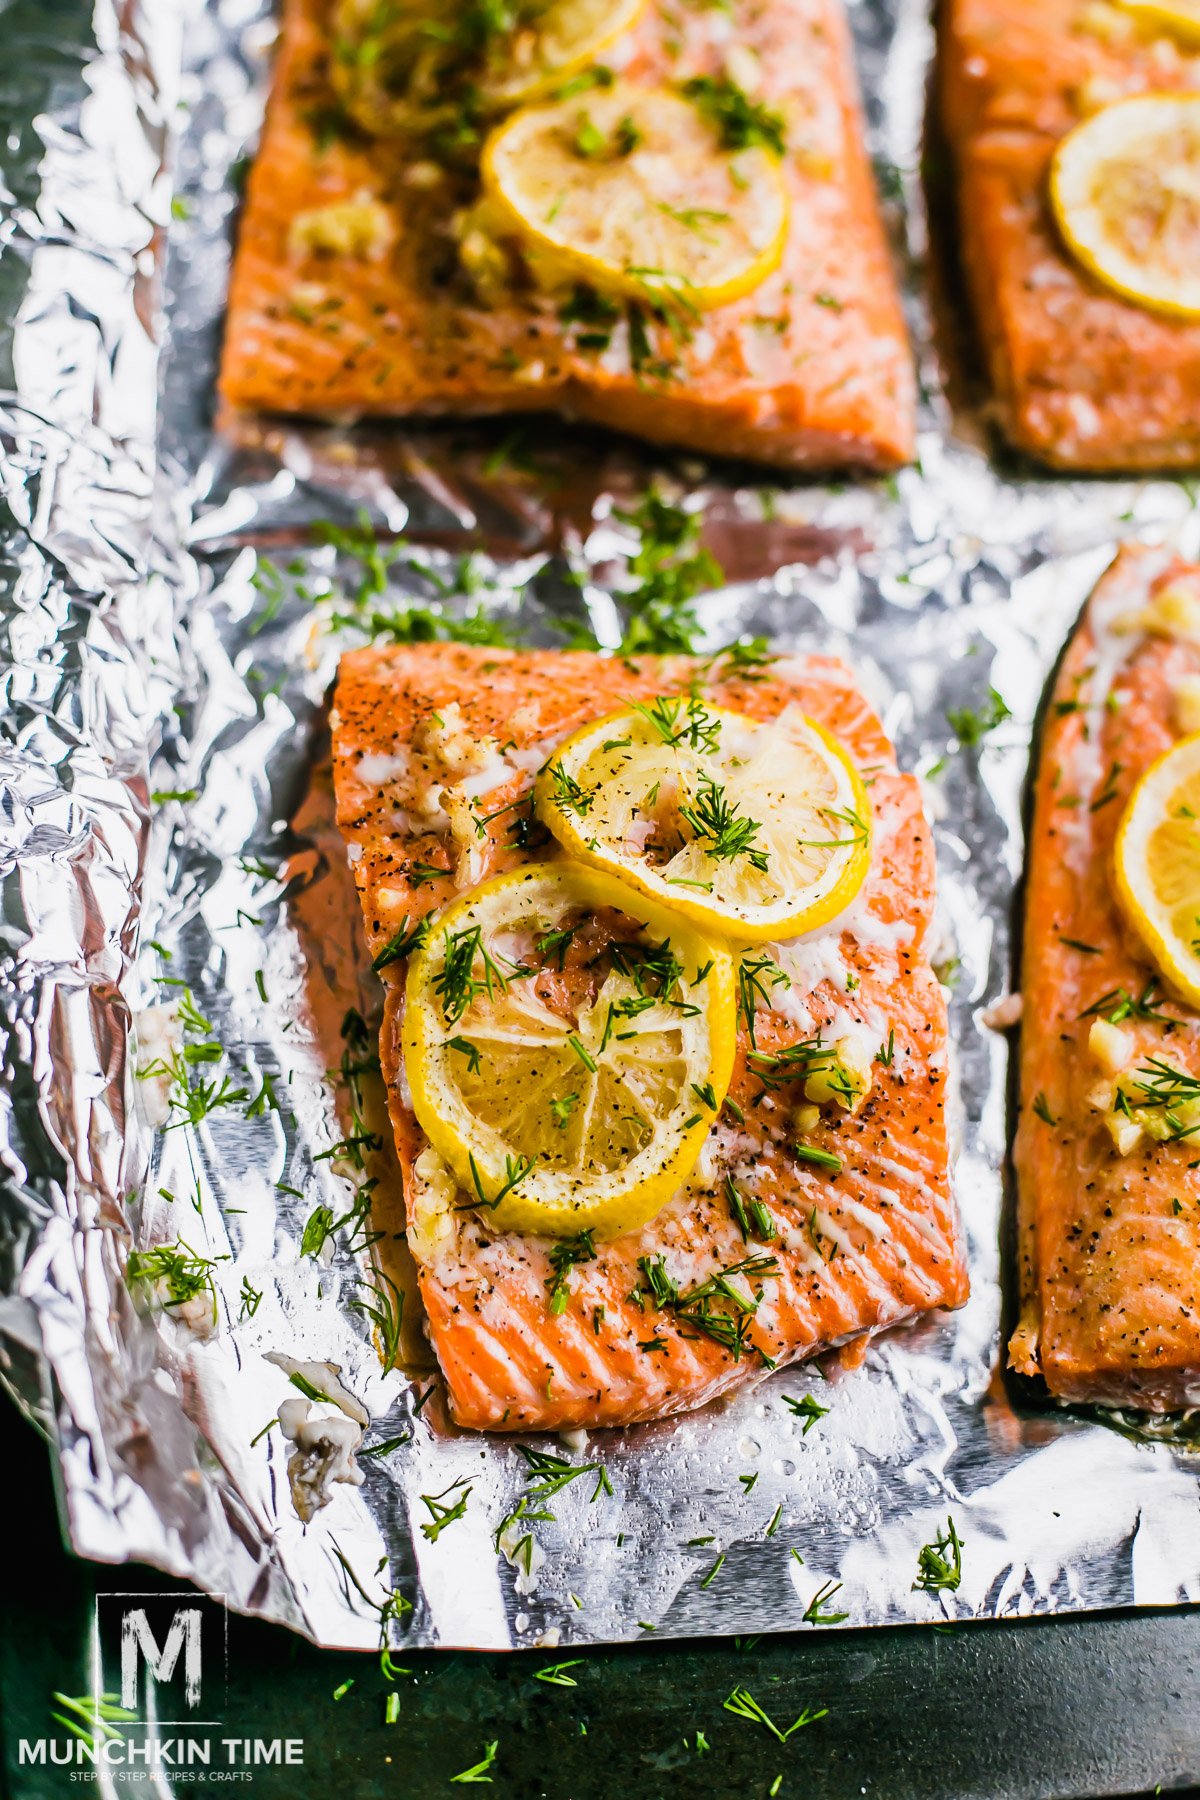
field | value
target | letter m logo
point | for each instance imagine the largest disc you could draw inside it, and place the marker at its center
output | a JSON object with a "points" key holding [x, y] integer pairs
{"points": [[137, 1639]]}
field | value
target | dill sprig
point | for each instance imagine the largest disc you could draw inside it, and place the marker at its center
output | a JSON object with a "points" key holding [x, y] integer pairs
{"points": [[970, 728], [1118, 1005], [814, 1613], [794, 1062], [441, 1513], [564, 1255], [740, 122], [183, 1272], [713, 816], [716, 1308], [680, 721], [570, 796], [667, 570], [516, 1168], [939, 1565], [456, 983], [401, 942], [384, 1307], [754, 975], [807, 1408], [742, 1704]]}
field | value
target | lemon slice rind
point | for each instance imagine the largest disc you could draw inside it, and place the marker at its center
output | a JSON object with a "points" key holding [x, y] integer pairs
{"points": [[632, 1125], [1181, 20], [654, 210], [1123, 184], [568, 39], [1157, 865], [789, 776]]}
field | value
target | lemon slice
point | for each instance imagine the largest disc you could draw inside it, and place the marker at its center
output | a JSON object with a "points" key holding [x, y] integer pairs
{"points": [[1180, 17], [560, 41], [1158, 865], [1125, 188], [567, 1045], [754, 831], [406, 67], [629, 190]]}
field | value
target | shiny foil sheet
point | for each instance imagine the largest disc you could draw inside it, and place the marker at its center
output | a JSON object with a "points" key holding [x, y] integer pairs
{"points": [[165, 621]]}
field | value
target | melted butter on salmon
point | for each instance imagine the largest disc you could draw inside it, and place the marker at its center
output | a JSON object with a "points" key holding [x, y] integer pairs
{"points": [[1109, 1215], [849, 1252]]}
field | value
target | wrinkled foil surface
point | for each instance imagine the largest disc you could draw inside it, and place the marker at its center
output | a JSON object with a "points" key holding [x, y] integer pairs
{"points": [[149, 650]]}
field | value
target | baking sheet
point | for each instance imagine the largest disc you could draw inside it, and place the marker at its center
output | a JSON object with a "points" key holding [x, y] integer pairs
{"points": [[165, 624]]}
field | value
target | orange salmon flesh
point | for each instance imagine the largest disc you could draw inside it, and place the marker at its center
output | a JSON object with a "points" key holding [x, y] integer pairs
{"points": [[852, 1252], [1083, 378], [1110, 1275], [811, 369]]}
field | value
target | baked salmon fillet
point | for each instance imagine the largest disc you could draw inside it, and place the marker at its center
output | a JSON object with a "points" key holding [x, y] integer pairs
{"points": [[797, 1255], [1108, 1235], [360, 287], [1082, 377]]}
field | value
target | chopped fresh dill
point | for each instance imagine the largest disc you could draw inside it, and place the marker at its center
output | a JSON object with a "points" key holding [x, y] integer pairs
{"points": [[400, 943], [815, 1614], [564, 1255], [740, 122], [806, 1408], [667, 571], [970, 728], [442, 1514], [742, 1704], [939, 1565]]}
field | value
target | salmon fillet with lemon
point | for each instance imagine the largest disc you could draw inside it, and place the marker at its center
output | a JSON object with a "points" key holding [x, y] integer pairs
{"points": [[1078, 222], [675, 234], [665, 1056], [1107, 1156]]}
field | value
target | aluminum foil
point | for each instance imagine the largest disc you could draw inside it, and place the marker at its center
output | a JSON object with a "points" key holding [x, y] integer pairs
{"points": [[164, 822]]}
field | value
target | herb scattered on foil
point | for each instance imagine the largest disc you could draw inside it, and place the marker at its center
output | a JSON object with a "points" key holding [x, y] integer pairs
{"points": [[970, 728], [808, 1409], [814, 1612], [668, 570], [939, 1565], [478, 1771], [742, 1704]]}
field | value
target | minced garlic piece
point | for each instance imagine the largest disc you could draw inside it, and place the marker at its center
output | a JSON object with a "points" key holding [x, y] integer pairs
{"points": [[805, 1119], [1173, 613], [1185, 705], [846, 1078], [361, 228], [1110, 1047], [743, 67], [483, 255], [431, 1219], [445, 738], [470, 847]]}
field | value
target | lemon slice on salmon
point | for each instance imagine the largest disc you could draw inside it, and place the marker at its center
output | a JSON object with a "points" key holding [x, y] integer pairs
{"points": [[629, 190], [558, 42], [1125, 188], [407, 67], [567, 1045], [1157, 859], [1179, 17], [755, 831]]}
